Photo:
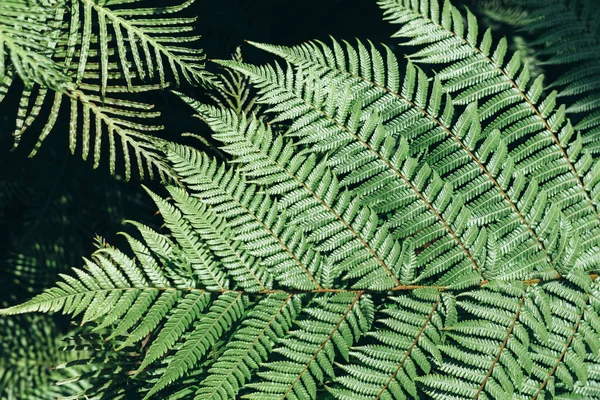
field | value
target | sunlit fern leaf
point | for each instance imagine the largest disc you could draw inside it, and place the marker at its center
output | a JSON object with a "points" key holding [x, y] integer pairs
{"points": [[252, 215], [311, 193], [478, 69], [406, 340], [332, 325], [481, 170], [249, 346], [568, 34], [405, 184]]}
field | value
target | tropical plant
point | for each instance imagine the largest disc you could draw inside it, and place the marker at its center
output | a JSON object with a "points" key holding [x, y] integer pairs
{"points": [[91, 57], [369, 228]]}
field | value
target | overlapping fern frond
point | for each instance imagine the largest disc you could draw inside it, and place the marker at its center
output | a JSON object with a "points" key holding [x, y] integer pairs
{"points": [[90, 60], [568, 35], [29, 352], [408, 236]]}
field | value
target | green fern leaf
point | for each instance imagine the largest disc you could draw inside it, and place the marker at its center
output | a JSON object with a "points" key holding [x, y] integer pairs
{"points": [[263, 326]]}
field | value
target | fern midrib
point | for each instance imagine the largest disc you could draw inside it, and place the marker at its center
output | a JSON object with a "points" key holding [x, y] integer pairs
{"points": [[500, 350], [562, 355], [466, 149], [258, 337], [410, 349], [328, 207], [322, 346], [529, 103]]}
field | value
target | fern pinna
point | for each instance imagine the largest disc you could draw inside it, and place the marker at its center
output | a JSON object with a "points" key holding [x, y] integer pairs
{"points": [[377, 233]]}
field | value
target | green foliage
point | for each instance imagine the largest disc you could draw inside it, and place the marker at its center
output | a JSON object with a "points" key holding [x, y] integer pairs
{"points": [[568, 34], [91, 58], [371, 228]]}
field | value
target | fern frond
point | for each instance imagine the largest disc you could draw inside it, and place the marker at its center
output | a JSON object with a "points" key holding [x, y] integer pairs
{"points": [[407, 342], [377, 156], [119, 45], [235, 91], [568, 34], [214, 230], [311, 193], [209, 275], [479, 70], [29, 32], [145, 42], [330, 327], [253, 216], [424, 117]]}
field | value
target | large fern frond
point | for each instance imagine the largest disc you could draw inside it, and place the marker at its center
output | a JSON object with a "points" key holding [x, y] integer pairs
{"points": [[460, 155], [478, 69]]}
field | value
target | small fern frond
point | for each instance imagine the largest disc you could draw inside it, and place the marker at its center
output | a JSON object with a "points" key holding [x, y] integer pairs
{"points": [[253, 216], [214, 230], [199, 256], [568, 33], [235, 91], [332, 325]]}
